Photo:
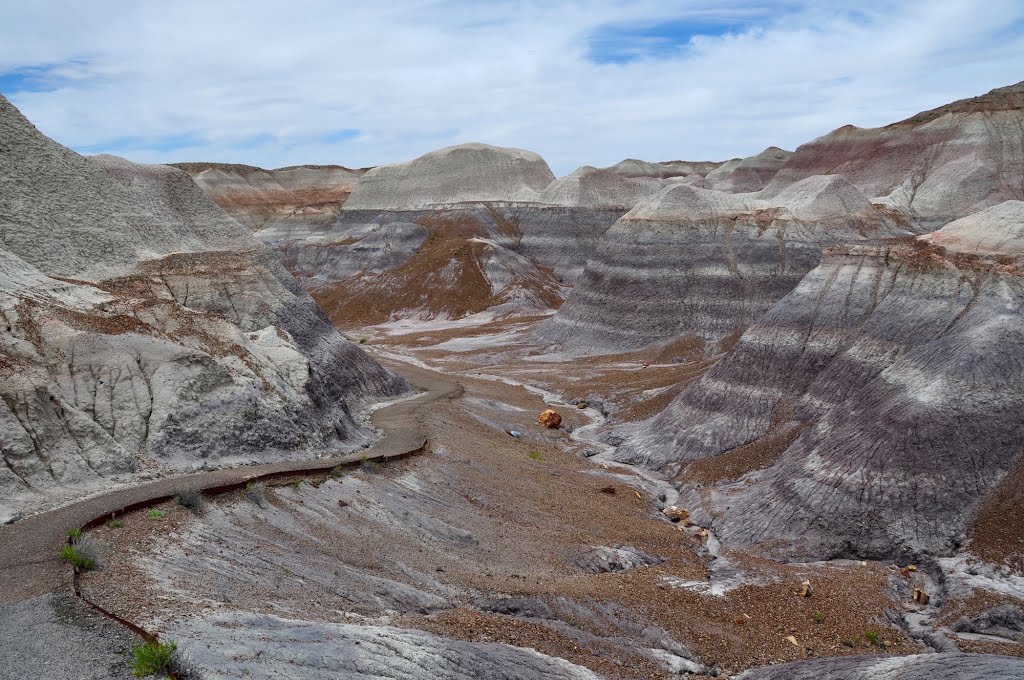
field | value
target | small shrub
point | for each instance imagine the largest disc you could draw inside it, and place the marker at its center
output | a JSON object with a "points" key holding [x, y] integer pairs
{"points": [[74, 533], [362, 341], [337, 471], [156, 514], [256, 493], [371, 466], [873, 637], [183, 666], [817, 617], [84, 552], [114, 523], [296, 483], [191, 498], [152, 658], [533, 455]]}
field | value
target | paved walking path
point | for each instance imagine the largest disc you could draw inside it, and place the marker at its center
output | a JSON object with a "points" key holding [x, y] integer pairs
{"points": [[29, 565]]}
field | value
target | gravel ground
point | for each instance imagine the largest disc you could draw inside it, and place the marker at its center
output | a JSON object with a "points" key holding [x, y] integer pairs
{"points": [[479, 541], [56, 637]]}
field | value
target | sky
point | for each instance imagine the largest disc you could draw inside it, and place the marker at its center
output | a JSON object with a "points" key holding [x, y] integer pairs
{"points": [[275, 83]]}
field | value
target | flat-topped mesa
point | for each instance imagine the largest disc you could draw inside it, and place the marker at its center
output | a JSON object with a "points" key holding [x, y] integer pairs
{"points": [[750, 174], [462, 174], [144, 325], [934, 167], [694, 262], [282, 205], [632, 167], [871, 410]]}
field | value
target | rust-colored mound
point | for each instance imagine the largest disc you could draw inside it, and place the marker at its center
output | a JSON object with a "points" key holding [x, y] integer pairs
{"points": [[458, 271]]}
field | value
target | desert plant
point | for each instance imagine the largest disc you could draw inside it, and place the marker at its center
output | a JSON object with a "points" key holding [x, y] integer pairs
{"points": [[74, 533], [256, 493], [113, 523], [370, 466], [191, 498], [817, 617], [873, 637], [296, 483], [152, 658], [533, 455], [337, 471], [156, 514], [83, 553], [183, 667]]}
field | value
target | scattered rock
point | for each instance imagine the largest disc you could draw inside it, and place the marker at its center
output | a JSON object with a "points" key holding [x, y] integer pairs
{"points": [[677, 514], [605, 559], [550, 418]]}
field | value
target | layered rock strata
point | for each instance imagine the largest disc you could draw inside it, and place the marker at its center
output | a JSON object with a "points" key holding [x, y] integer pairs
{"points": [[934, 167], [701, 263], [143, 326], [869, 411], [280, 206]]}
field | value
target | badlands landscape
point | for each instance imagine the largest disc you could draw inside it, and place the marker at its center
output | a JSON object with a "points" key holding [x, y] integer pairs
{"points": [[460, 418]]}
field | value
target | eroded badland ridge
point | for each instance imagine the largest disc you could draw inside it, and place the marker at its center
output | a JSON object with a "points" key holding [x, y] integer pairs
{"points": [[788, 388]]}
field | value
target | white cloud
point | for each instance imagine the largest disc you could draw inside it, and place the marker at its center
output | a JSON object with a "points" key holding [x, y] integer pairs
{"points": [[261, 82]]}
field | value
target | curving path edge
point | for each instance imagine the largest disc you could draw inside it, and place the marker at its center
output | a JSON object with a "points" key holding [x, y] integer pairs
{"points": [[30, 566]]}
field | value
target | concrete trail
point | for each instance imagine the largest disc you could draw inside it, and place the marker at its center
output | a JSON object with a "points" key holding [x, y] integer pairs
{"points": [[29, 565]]}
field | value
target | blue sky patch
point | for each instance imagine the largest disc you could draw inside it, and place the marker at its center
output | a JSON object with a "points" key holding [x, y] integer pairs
{"points": [[30, 79], [621, 43], [45, 77]]}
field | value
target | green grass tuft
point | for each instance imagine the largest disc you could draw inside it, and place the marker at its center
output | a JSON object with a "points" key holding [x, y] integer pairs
{"points": [[84, 552], [156, 514], [533, 455], [817, 617], [152, 658], [114, 524], [70, 554]]}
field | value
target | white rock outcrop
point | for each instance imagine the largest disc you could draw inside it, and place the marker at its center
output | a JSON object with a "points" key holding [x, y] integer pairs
{"points": [[144, 328]]}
